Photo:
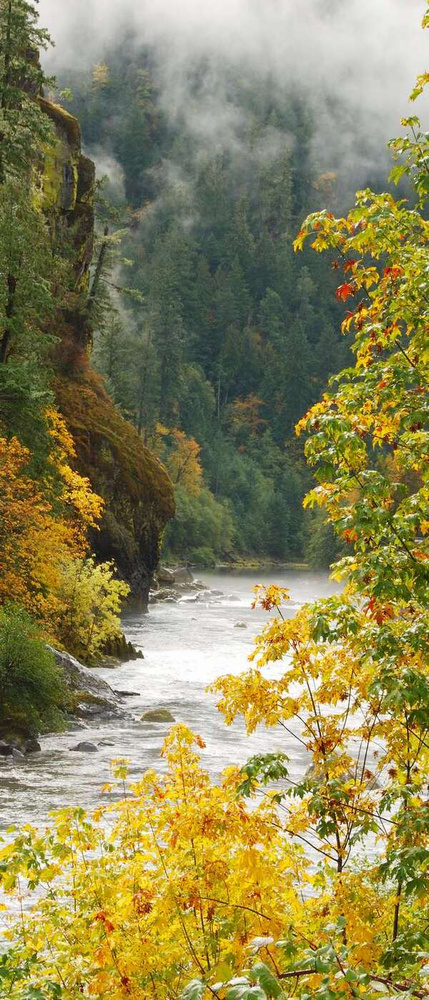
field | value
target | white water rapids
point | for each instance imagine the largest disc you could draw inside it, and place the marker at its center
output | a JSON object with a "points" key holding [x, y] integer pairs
{"points": [[186, 646]]}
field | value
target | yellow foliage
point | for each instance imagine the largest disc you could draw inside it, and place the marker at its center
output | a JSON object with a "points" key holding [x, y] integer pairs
{"points": [[43, 544], [100, 75], [180, 455], [173, 882], [90, 599]]}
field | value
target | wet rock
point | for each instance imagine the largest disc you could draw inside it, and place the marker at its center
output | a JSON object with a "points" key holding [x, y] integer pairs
{"points": [[119, 650], [127, 694], [32, 746], [165, 575], [85, 748], [165, 594], [105, 743], [240, 625], [183, 575], [9, 752], [92, 695], [158, 715]]}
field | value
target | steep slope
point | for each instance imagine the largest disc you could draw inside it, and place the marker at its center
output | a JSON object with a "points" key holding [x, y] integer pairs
{"points": [[137, 491]]}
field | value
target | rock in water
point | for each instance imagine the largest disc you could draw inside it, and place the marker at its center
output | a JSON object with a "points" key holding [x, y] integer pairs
{"points": [[32, 746], [183, 575], [158, 715], [164, 594], [165, 575], [10, 752], [126, 694], [85, 748], [240, 625], [94, 697]]}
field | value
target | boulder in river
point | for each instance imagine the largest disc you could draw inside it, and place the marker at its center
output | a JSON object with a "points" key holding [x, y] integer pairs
{"points": [[85, 747], [240, 625], [165, 594], [183, 575], [165, 575], [158, 715], [91, 694], [10, 752], [32, 746]]}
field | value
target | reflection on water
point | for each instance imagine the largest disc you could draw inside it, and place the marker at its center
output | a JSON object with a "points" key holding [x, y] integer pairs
{"points": [[186, 646]]}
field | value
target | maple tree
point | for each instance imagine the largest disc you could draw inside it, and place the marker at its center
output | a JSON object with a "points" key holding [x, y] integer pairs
{"points": [[44, 544], [180, 454]]}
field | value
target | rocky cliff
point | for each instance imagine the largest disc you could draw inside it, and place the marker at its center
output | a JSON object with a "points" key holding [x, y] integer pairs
{"points": [[137, 491]]}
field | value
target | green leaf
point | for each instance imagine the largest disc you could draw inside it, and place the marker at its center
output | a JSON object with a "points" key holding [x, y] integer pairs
{"points": [[194, 990], [267, 979]]}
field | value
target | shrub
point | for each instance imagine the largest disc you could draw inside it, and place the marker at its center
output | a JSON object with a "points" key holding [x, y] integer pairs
{"points": [[91, 600], [31, 687]]}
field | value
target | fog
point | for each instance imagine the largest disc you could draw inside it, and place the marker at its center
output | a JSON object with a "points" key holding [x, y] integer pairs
{"points": [[364, 54]]}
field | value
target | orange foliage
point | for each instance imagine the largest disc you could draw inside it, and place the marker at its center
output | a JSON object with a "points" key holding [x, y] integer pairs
{"points": [[245, 413], [42, 525], [180, 455]]}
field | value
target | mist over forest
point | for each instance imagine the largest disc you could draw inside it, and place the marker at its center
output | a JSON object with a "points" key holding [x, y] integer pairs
{"points": [[218, 129]]}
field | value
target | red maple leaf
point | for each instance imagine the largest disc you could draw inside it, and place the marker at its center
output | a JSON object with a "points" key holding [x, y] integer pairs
{"points": [[392, 272], [343, 291]]}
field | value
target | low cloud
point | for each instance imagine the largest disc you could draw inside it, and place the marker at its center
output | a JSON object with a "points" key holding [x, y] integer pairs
{"points": [[356, 59]]}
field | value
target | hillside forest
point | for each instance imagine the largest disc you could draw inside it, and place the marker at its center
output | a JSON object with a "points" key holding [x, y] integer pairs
{"points": [[224, 337]]}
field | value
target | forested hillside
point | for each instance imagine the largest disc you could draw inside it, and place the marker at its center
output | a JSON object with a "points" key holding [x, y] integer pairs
{"points": [[231, 337]]}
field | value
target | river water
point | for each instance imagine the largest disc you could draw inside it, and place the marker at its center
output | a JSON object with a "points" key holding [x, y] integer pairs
{"points": [[186, 646]]}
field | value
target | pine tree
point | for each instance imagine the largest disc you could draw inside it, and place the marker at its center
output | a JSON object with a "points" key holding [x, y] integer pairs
{"points": [[23, 125]]}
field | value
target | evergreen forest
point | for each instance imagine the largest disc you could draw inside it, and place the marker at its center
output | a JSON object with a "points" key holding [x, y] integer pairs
{"points": [[225, 337]]}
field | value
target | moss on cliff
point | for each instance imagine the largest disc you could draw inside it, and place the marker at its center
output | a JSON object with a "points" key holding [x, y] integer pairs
{"points": [[137, 491], [136, 488]]}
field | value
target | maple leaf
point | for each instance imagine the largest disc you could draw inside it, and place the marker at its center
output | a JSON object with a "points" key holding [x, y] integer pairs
{"points": [[343, 291], [392, 272]]}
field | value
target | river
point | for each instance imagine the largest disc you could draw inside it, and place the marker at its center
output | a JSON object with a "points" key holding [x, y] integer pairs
{"points": [[186, 646]]}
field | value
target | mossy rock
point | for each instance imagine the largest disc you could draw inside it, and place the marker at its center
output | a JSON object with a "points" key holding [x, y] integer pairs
{"points": [[158, 715], [138, 493]]}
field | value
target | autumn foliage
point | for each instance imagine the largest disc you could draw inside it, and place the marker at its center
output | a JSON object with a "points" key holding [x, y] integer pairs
{"points": [[266, 884], [43, 539]]}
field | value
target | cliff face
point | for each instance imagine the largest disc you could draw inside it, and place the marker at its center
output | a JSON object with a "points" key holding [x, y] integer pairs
{"points": [[137, 491]]}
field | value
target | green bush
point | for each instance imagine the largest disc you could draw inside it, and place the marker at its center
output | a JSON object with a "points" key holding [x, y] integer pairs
{"points": [[32, 692], [202, 557]]}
